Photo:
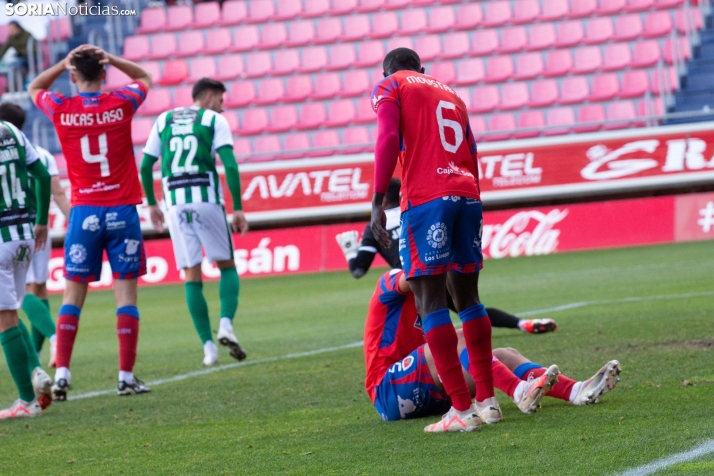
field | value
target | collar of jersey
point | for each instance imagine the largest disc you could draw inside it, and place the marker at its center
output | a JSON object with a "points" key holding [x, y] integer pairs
{"points": [[90, 95]]}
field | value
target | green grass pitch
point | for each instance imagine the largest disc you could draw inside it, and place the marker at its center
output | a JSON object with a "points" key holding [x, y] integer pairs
{"points": [[310, 415]]}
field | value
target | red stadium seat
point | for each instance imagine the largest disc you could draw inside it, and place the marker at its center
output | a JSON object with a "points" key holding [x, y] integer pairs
{"points": [[240, 94], [512, 39], [313, 59], [328, 30], [356, 27], [297, 144], [621, 114], [357, 140], [324, 143], [356, 83], [500, 123], [273, 36], [369, 53], [287, 9], [468, 16], [285, 62], [175, 71], [340, 113], [254, 121], [554, 10], [218, 41], [573, 90], [525, 11], [634, 84], [617, 56], [233, 12], [299, 88], [341, 56], [598, 30], [530, 124], [179, 17], [558, 62], [455, 45], [485, 99], [245, 38], [414, 21], [695, 20], [499, 69], [206, 15], [485, 42], [269, 91], [201, 67], [163, 45], [152, 20], [587, 59], [327, 85], [559, 116], [469, 71], [638, 5], [182, 96], [190, 43], [440, 19], [541, 36], [627, 27], [528, 65], [257, 64], [384, 24], [543, 93], [314, 8], [365, 6], [229, 67], [592, 115], [266, 148], [569, 33], [300, 33], [609, 7], [365, 113], [157, 102], [581, 8], [657, 24], [136, 48], [444, 72], [312, 116], [282, 118], [340, 7], [514, 96], [259, 11], [605, 87], [233, 122], [140, 129], [646, 54], [497, 13]]}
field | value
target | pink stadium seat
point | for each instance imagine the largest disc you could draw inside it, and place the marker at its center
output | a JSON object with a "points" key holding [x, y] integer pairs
{"points": [[627, 27], [617, 56], [609, 7], [328, 30], [598, 30], [605, 87], [364, 6], [229, 67], [414, 21], [440, 19], [259, 11], [541, 36], [313, 59], [340, 113], [300, 33], [554, 10], [201, 67], [667, 3], [273, 36], [140, 128], [669, 81], [152, 67], [233, 12], [634, 84], [573, 90], [657, 24], [356, 27], [314, 8], [365, 113], [4, 33], [341, 56], [257, 64], [485, 42], [218, 40], [340, 7], [681, 50], [312, 116], [157, 102], [285, 62], [478, 127], [469, 71], [384, 24], [558, 62], [298, 145], [190, 43], [528, 65], [152, 20], [465, 95], [581, 8], [269, 91], [59, 29], [530, 124], [512, 39], [499, 69], [525, 11], [468, 16], [282, 118], [621, 113], [592, 115], [646, 54], [444, 72], [569, 33], [543, 93], [324, 143], [254, 121], [587, 59], [136, 47], [240, 94], [233, 122], [648, 108], [396, 4], [486, 99], [163, 45], [266, 148], [327, 85], [559, 116], [514, 96], [175, 71], [369, 53], [206, 15], [287, 9], [499, 123], [179, 17], [241, 147], [695, 20], [245, 38], [455, 45], [356, 83], [638, 5], [299, 88], [182, 96], [357, 138], [497, 13]]}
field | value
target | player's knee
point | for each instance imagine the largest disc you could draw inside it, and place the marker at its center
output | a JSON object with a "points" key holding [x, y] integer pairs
{"points": [[8, 319], [193, 273]]}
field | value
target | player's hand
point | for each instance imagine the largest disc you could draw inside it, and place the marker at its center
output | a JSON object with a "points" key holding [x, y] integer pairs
{"points": [[40, 236], [379, 222], [348, 243], [157, 218], [240, 224]]}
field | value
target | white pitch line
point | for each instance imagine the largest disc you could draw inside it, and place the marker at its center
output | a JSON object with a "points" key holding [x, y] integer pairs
{"points": [[702, 450]]}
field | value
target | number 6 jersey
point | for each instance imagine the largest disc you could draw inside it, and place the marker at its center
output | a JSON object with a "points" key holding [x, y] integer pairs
{"points": [[94, 130], [438, 150]]}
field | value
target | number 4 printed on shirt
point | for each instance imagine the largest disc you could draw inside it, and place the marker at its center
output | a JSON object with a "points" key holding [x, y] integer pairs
{"points": [[101, 157]]}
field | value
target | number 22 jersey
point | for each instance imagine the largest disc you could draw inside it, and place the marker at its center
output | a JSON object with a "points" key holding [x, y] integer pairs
{"points": [[94, 130]]}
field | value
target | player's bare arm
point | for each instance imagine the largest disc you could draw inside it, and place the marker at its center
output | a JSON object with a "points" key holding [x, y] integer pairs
{"points": [[45, 79], [43, 179], [385, 160], [131, 69], [60, 197], [147, 181], [239, 224]]}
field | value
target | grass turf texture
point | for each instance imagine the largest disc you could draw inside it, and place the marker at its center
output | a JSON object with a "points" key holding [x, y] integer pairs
{"points": [[310, 415]]}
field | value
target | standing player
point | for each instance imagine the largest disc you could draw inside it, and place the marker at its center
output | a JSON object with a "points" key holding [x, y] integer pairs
{"points": [[35, 304], [187, 140], [94, 129], [425, 123]]}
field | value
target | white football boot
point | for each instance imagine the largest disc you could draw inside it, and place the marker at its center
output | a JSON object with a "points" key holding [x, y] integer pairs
{"points": [[598, 385], [22, 409], [489, 411], [227, 339], [536, 390], [210, 353], [455, 420], [42, 384]]}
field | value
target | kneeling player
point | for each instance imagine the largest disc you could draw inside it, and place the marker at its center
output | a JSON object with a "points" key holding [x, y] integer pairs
{"points": [[402, 380]]}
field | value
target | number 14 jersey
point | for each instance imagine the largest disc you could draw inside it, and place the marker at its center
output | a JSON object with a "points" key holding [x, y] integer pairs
{"points": [[438, 150], [94, 130]]}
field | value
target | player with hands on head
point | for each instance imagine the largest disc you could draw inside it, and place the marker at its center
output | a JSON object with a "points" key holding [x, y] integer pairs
{"points": [[94, 129], [186, 141]]}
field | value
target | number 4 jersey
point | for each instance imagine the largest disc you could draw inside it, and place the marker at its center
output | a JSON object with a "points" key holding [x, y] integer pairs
{"points": [[438, 151], [94, 130]]}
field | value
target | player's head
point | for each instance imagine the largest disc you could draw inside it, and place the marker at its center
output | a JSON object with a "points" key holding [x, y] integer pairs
{"points": [[208, 94], [391, 198], [12, 113], [401, 59], [14, 28], [88, 72]]}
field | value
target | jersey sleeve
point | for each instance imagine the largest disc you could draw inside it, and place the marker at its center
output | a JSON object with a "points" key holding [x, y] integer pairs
{"points": [[31, 155], [386, 90], [135, 93], [50, 159], [48, 102], [221, 133], [153, 143]]}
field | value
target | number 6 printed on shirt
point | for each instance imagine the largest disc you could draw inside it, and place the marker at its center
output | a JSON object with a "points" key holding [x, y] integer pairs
{"points": [[101, 157], [458, 130]]}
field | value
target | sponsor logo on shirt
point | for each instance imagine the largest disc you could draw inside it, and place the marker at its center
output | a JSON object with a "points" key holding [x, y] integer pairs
{"points": [[100, 187], [453, 169], [91, 223], [131, 247]]}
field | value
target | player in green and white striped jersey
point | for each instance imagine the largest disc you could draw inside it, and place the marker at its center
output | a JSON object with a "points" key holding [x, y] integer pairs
{"points": [[18, 240], [186, 140]]}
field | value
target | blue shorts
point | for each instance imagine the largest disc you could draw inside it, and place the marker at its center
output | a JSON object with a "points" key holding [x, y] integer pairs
{"points": [[440, 236], [408, 390], [93, 230]]}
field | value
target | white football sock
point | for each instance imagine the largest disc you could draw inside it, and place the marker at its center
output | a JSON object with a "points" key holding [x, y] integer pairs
{"points": [[209, 348], [127, 377], [520, 391], [574, 391], [489, 402], [62, 372], [226, 324]]}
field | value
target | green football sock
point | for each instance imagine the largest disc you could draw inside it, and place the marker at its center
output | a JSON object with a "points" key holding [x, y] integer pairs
{"points": [[39, 315], [228, 290], [199, 310], [37, 336], [13, 345], [32, 358]]}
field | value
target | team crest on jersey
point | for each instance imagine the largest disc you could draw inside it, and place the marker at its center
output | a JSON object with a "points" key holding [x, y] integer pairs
{"points": [[24, 253], [90, 102], [437, 235], [376, 99], [407, 362], [189, 216], [77, 253], [417, 323], [91, 223]]}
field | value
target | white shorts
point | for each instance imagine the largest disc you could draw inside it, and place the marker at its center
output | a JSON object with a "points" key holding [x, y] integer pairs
{"points": [[199, 225], [15, 257], [39, 271]]}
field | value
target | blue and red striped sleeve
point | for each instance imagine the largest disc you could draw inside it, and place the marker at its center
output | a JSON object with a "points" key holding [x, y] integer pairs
{"points": [[135, 93], [385, 90], [47, 102]]}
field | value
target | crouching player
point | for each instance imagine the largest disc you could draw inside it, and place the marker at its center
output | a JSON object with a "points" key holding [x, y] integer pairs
{"points": [[402, 380]]}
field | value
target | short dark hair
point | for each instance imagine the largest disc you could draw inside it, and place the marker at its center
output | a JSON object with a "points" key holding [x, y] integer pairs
{"points": [[87, 65], [12, 113], [393, 189], [206, 84], [401, 59]]}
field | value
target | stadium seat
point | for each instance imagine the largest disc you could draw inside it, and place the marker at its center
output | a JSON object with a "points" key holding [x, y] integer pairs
{"points": [[598, 30], [667, 81], [233, 12], [229, 67], [638, 5], [245, 38], [295, 146], [328, 30], [273, 36], [59, 29], [592, 116], [514, 96], [634, 84], [414, 21], [218, 41], [569, 33], [266, 148], [478, 127], [525, 11], [340, 113], [468, 16], [543, 93], [558, 62], [152, 20], [695, 20], [465, 95], [573, 90], [157, 102], [497, 13], [646, 54], [621, 114], [242, 149], [485, 99], [254, 121], [152, 67], [528, 66], [553, 10], [469, 71], [314, 8], [313, 59], [365, 6], [240, 94], [500, 123], [257, 64], [299, 88], [140, 129], [341, 56], [182, 96], [440, 19], [581, 8], [609, 7], [312, 116], [396, 4], [406, 42], [455, 45], [201, 67], [341, 7], [369, 53], [327, 85], [541, 36], [269, 91], [512, 39], [175, 71], [259, 11], [657, 24], [324, 143], [559, 116], [444, 72], [190, 43], [605, 87], [627, 27], [499, 69], [285, 62], [384, 24], [356, 83], [178, 17], [136, 48], [667, 3], [233, 122], [300, 33], [617, 56], [681, 51], [587, 59], [485, 42], [356, 140], [356, 28], [282, 118], [365, 113], [206, 15], [163, 45], [287, 10], [530, 124]]}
